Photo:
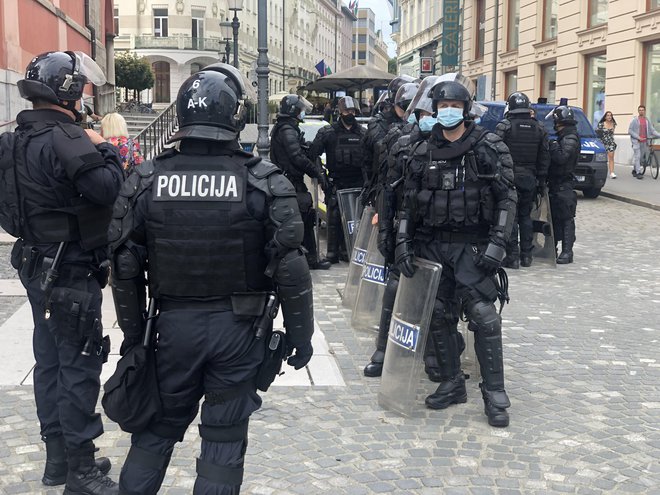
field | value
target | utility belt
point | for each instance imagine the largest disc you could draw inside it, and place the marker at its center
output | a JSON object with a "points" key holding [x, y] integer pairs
{"points": [[460, 237]]}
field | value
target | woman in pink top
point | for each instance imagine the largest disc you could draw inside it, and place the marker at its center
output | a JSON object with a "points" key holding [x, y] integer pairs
{"points": [[115, 131]]}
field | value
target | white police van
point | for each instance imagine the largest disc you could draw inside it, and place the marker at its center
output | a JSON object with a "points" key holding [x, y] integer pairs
{"points": [[591, 171]]}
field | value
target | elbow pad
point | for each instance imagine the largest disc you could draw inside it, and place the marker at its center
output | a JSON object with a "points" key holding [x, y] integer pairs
{"points": [[128, 291], [294, 288], [284, 212]]}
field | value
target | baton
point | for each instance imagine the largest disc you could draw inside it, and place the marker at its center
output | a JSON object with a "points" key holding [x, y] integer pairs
{"points": [[148, 330], [51, 274]]}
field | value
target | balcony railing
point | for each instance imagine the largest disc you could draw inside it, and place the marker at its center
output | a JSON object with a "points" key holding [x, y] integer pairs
{"points": [[152, 139], [180, 43]]}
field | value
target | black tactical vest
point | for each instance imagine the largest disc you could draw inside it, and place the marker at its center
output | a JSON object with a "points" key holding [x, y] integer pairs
{"points": [[58, 213], [348, 155], [523, 141], [202, 240], [452, 196]]}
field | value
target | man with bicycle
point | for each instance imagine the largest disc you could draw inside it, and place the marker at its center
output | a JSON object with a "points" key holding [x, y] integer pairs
{"points": [[640, 130]]}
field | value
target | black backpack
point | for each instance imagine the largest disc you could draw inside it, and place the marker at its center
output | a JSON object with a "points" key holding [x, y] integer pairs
{"points": [[10, 216]]}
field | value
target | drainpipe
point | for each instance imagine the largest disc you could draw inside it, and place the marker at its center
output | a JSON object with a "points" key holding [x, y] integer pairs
{"points": [[92, 34], [496, 34]]}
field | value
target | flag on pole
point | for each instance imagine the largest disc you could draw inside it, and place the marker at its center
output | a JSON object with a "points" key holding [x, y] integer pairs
{"points": [[353, 7], [321, 67], [328, 71]]}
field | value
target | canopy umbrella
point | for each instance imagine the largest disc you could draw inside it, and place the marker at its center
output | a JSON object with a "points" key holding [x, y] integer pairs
{"points": [[356, 78]]}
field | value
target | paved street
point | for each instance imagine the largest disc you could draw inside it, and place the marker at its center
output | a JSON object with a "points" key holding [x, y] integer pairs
{"points": [[582, 356]]}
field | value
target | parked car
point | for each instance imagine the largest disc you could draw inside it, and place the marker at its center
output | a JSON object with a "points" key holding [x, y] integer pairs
{"points": [[591, 171]]}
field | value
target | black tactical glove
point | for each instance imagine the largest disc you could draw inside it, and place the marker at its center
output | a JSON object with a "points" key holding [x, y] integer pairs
{"points": [[386, 243], [302, 356], [491, 259], [129, 342], [404, 256], [326, 185]]}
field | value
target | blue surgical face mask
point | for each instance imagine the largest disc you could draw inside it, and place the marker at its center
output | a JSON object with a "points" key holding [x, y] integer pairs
{"points": [[301, 115], [427, 123], [450, 117], [412, 118]]}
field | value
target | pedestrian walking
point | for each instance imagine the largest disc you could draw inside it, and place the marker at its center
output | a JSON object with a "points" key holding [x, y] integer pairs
{"points": [[527, 141], [288, 150], [219, 234], [640, 130], [342, 144], [458, 210], [58, 191], [605, 131], [564, 156]]}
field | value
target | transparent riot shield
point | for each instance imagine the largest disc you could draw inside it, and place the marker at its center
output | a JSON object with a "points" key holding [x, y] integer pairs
{"points": [[411, 318], [358, 254], [349, 209], [544, 240], [369, 300]]}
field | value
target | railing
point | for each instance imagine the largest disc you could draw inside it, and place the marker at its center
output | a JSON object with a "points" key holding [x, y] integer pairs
{"points": [[152, 138], [7, 126], [180, 43]]}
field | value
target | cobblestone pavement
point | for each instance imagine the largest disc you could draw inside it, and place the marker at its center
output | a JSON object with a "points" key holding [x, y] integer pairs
{"points": [[582, 368]]}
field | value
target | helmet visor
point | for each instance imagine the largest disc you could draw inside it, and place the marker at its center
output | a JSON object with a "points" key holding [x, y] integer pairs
{"points": [[421, 101], [87, 67], [347, 103], [304, 105]]}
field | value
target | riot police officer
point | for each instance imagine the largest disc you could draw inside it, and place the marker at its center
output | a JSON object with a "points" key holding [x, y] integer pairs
{"points": [[342, 144], [219, 233], [564, 156], [528, 143], [288, 150], [458, 210], [376, 130], [58, 188]]}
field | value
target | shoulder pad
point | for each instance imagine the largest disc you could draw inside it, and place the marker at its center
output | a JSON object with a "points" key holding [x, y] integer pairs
{"points": [[71, 130], [260, 168], [326, 129], [404, 141], [280, 186], [146, 169], [420, 149], [122, 217]]}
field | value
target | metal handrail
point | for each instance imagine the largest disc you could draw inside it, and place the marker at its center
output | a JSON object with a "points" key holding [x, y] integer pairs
{"points": [[152, 138], [11, 122]]}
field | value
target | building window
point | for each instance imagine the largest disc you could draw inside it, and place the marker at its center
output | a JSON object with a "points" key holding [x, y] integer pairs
{"points": [[651, 92], [162, 82], [160, 23], [197, 29], [548, 82], [653, 4], [362, 55], [595, 90], [513, 23], [510, 83], [480, 28], [115, 16], [597, 12], [549, 19]]}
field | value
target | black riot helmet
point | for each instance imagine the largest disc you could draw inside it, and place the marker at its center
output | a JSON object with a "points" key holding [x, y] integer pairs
{"points": [[347, 103], [60, 78], [395, 84], [562, 115], [293, 105], [517, 103], [212, 104], [451, 90], [405, 95]]}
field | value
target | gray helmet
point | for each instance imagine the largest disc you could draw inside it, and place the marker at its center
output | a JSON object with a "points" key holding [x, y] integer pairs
{"points": [[60, 78], [213, 104], [405, 95], [346, 103]]}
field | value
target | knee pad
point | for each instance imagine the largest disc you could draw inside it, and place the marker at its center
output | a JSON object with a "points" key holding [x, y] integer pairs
{"points": [[484, 318], [217, 471]]}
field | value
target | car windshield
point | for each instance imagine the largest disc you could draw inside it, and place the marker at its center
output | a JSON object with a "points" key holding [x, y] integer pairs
{"points": [[495, 114]]}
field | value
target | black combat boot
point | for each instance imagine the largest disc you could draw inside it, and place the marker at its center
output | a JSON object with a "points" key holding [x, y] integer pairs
{"points": [[512, 262], [332, 254], [526, 260], [489, 352], [568, 239], [84, 476], [316, 264], [56, 462], [449, 392], [375, 366]]}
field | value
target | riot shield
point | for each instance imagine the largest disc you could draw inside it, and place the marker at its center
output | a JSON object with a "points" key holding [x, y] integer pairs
{"points": [[369, 300], [358, 255], [349, 209], [409, 329], [544, 240]]}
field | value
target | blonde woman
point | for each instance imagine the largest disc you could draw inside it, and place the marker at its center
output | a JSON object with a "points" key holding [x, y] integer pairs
{"points": [[115, 131]]}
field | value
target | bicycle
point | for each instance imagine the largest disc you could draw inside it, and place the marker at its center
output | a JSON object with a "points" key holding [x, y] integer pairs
{"points": [[651, 161]]}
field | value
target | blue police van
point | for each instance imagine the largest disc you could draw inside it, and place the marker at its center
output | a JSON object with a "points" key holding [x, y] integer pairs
{"points": [[591, 171]]}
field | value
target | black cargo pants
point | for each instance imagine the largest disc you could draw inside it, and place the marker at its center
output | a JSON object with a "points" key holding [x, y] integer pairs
{"points": [[201, 353]]}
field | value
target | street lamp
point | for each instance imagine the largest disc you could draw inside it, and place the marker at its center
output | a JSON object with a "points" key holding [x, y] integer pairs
{"points": [[226, 32], [263, 145], [235, 5]]}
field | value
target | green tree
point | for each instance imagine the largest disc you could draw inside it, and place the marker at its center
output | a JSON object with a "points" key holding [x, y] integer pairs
{"points": [[133, 73], [391, 66]]}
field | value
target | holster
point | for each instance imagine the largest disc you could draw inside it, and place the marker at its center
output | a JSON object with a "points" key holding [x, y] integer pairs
{"points": [[274, 355]]}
